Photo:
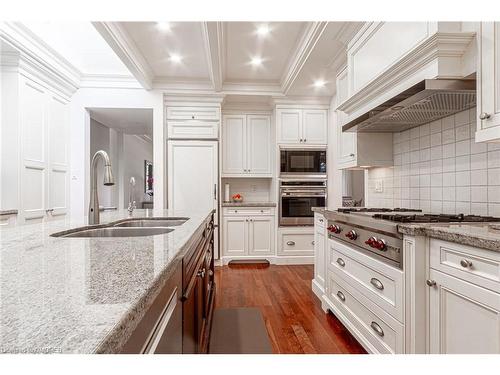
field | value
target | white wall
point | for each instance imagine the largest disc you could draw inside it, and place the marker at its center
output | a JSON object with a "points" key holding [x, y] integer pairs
{"points": [[80, 137], [252, 189], [135, 151], [438, 167]]}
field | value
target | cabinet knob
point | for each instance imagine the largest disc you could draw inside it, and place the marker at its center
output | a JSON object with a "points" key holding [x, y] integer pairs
{"points": [[465, 263], [484, 116], [341, 296], [352, 155], [50, 210], [378, 330], [377, 283], [430, 282], [192, 117], [291, 243], [312, 243], [305, 140], [340, 262]]}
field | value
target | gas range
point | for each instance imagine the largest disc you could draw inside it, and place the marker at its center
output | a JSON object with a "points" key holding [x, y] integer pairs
{"points": [[375, 230]]}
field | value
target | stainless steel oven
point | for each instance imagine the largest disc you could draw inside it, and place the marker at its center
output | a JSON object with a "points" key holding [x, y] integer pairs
{"points": [[302, 163], [297, 197]]}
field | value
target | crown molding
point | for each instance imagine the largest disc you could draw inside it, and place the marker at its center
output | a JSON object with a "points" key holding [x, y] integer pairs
{"points": [[120, 41], [109, 81], [188, 98], [309, 101], [305, 46], [37, 58], [215, 48]]}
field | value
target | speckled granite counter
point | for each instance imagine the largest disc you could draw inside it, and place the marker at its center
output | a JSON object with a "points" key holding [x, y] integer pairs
{"points": [[248, 204], [82, 295], [484, 235]]}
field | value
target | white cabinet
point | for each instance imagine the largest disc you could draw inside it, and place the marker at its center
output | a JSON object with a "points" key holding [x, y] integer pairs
{"points": [[359, 149], [488, 82], [464, 299], [247, 233], [192, 175], [246, 145], [296, 241], [44, 125], [319, 281], [302, 126], [193, 122], [464, 318]]}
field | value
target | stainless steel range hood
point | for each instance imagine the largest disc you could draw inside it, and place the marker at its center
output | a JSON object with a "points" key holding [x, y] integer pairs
{"points": [[425, 102]]}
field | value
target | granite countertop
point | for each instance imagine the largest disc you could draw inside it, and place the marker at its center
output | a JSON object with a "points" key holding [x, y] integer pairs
{"points": [[8, 212], [82, 295], [248, 204], [483, 235]]}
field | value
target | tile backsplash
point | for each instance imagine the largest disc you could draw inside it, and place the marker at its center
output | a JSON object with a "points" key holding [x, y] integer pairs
{"points": [[439, 168]]}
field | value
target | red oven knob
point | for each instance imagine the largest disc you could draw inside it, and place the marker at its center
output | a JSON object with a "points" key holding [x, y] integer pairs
{"points": [[335, 228], [352, 235], [380, 244], [371, 241]]}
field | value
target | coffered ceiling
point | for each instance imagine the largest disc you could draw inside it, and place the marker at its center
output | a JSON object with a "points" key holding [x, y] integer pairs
{"points": [[235, 58]]}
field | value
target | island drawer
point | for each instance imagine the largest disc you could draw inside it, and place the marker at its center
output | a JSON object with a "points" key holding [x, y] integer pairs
{"points": [[479, 266], [380, 332], [381, 283]]}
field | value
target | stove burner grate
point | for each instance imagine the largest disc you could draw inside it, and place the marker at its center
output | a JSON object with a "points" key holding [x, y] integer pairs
{"points": [[436, 218]]}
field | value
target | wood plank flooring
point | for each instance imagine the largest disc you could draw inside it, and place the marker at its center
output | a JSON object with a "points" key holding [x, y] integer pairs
{"points": [[294, 319]]}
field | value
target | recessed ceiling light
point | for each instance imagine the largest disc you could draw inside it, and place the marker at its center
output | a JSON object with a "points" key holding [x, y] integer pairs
{"points": [[256, 61], [319, 83], [163, 26], [175, 58], [263, 30]]}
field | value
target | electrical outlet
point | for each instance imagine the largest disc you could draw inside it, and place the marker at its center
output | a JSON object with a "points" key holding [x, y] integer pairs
{"points": [[254, 188], [379, 186]]}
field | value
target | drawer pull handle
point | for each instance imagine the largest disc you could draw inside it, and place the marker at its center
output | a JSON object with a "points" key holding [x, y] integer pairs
{"points": [[291, 243], [312, 243], [320, 220], [340, 262], [465, 263], [430, 282], [484, 116], [341, 296], [377, 283], [378, 330]]}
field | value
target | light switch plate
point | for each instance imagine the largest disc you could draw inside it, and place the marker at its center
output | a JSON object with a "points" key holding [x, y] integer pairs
{"points": [[379, 186]]}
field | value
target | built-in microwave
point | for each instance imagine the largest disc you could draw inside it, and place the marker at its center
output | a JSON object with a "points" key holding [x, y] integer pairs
{"points": [[302, 163]]}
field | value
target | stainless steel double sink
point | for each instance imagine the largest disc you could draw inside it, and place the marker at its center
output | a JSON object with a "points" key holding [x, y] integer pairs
{"points": [[134, 227]]}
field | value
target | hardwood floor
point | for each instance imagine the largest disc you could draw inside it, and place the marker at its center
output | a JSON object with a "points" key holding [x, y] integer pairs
{"points": [[294, 319]]}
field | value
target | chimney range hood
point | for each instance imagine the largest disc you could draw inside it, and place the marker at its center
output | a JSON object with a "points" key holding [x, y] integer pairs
{"points": [[427, 101]]}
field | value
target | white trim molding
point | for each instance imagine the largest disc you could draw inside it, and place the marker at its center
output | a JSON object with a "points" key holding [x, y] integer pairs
{"points": [[123, 45], [215, 48], [305, 46], [35, 57]]}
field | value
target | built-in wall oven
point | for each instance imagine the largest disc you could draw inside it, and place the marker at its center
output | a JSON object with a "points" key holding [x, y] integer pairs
{"points": [[297, 197], [303, 163]]}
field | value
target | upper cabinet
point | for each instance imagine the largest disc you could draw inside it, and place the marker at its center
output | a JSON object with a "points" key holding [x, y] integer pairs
{"points": [[193, 122], [488, 83], [302, 126], [382, 61], [246, 145]]}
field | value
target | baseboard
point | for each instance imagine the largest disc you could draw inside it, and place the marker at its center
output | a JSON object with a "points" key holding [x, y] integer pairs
{"points": [[273, 259], [317, 289]]}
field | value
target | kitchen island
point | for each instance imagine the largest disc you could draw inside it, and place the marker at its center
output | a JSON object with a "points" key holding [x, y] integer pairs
{"points": [[103, 295]]}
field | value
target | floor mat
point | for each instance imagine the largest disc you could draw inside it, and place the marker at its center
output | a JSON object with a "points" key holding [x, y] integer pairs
{"points": [[239, 331]]}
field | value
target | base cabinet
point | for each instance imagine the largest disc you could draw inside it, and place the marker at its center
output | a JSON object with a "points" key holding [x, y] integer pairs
{"points": [[464, 318], [179, 319], [248, 236], [296, 241]]}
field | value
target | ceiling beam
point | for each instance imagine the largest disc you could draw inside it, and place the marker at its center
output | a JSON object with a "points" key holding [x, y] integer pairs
{"points": [[123, 45], [215, 48], [305, 46]]}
